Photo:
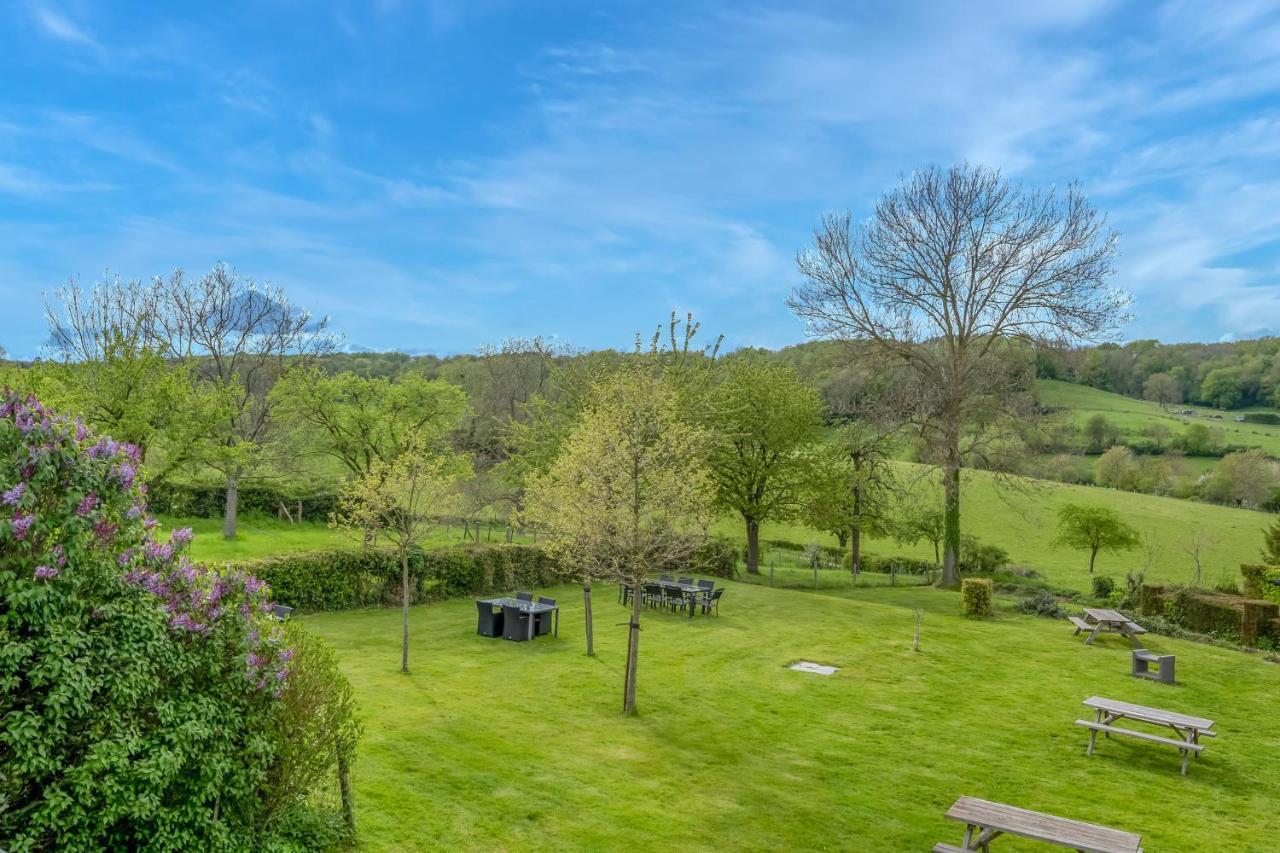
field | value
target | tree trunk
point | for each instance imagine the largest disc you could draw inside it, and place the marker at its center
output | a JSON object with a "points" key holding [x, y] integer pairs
{"points": [[633, 652], [586, 607], [951, 520], [842, 536], [233, 505], [1093, 553], [404, 611], [753, 547]]}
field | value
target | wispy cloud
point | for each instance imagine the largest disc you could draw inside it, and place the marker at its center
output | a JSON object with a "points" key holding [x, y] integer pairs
{"points": [[56, 25]]}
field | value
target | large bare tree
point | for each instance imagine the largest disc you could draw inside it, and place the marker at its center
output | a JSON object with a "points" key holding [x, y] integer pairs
{"points": [[953, 263], [243, 337]]}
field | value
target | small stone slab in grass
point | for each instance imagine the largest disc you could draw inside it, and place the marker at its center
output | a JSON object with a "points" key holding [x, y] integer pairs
{"points": [[810, 666]]}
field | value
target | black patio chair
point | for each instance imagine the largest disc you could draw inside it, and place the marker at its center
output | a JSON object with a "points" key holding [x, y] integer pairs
{"points": [[542, 623], [687, 581], [515, 623], [488, 622], [708, 585], [665, 579], [676, 599], [281, 611], [625, 591], [711, 600], [524, 596], [653, 595]]}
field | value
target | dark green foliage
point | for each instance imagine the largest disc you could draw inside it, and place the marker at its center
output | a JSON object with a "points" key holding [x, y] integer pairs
{"points": [[716, 558], [1228, 617], [979, 558], [888, 565], [1261, 418], [977, 594], [1271, 543], [1041, 604], [203, 500], [1103, 586]]}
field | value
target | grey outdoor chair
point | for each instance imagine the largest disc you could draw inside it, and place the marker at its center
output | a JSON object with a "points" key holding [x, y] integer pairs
{"points": [[707, 584], [665, 579], [515, 624], [281, 611], [542, 625], [524, 596], [488, 622], [687, 581], [652, 594], [711, 600], [676, 599]]}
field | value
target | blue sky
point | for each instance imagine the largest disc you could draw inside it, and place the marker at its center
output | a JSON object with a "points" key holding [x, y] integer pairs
{"points": [[440, 175]]}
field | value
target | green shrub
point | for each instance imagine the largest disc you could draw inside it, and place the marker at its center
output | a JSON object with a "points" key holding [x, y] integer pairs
{"points": [[887, 565], [1041, 604], [136, 688], [1103, 586], [208, 500], [979, 558], [313, 731], [976, 593]]}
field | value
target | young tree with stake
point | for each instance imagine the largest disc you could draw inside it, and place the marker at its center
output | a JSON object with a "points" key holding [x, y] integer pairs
{"points": [[1094, 529]]}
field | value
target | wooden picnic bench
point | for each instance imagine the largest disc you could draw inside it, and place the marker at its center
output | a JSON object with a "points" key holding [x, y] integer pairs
{"points": [[1105, 620], [985, 820], [1107, 712]]}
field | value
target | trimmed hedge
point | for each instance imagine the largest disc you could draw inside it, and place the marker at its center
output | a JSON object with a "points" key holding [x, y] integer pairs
{"points": [[1232, 617], [977, 594], [206, 500], [340, 579]]}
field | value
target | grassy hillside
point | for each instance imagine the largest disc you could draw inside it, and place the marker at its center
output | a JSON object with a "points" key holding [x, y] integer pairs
{"points": [[1133, 416], [492, 745], [1022, 520]]}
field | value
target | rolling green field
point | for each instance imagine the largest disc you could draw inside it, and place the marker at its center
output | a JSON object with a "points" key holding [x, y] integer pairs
{"points": [[1133, 416], [1023, 522], [492, 745]]}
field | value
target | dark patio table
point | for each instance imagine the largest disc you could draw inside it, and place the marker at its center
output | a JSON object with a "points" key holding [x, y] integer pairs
{"points": [[533, 608], [690, 589]]}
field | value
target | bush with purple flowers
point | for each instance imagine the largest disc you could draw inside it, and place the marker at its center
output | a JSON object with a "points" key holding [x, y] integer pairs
{"points": [[139, 691]]}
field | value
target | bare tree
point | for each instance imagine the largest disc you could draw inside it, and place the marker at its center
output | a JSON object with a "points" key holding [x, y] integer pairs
{"points": [[1197, 545], [954, 263], [243, 337]]}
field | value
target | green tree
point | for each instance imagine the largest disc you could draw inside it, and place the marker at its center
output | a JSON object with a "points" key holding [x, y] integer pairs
{"points": [[361, 421], [1100, 433], [1246, 477], [1271, 543], [762, 415], [1118, 468], [1163, 389], [1222, 387], [954, 265], [629, 494], [1094, 528], [849, 489], [1200, 440], [397, 503]]}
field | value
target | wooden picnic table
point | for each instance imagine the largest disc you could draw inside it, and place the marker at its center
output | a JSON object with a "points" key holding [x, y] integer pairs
{"points": [[1104, 619], [1188, 729], [985, 820]]}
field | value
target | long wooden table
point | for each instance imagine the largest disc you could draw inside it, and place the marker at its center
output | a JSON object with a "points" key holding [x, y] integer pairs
{"points": [[1188, 729], [985, 820]]}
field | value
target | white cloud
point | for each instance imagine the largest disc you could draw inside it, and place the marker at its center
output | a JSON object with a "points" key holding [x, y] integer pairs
{"points": [[57, 25]]}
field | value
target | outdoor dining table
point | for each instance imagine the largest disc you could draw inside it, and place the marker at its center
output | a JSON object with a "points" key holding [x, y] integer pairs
{"points": [[1103, 619], [690, 589], [533, 608]]}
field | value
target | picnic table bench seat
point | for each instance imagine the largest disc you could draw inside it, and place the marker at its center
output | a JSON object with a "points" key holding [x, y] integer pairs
{"points": [[1168, 741], [985, 820], [947, 848], [1188, 729], [1080, 624]]}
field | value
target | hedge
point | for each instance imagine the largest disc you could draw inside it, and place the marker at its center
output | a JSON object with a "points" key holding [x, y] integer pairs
{"points": [[1232, 617], [206, 500], [362, 577], [976, 593]]}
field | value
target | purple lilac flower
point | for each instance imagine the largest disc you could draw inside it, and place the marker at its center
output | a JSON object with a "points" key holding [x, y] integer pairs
{"points": [[11, 497], [181, 536], [87, 504], [134, 511], [105, 531], [45, 572], [286, 655], [59, 555], [282, 674], [254, 660], [21, 523], [150, 523]]}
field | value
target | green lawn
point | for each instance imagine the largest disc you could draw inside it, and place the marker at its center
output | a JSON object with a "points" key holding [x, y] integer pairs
{"points": [[259, 536], [1133, 416], [492, 745]]}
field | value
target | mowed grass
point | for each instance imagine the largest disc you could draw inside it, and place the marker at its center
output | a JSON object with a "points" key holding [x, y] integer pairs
{"points": [[259, 536], [492, 745], [1132, 416]]}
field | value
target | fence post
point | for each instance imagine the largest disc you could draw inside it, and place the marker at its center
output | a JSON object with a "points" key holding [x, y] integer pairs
{"points": [[344, 785]]}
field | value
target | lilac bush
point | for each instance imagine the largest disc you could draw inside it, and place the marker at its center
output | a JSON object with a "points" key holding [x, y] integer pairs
{"points": [[137, 687]]}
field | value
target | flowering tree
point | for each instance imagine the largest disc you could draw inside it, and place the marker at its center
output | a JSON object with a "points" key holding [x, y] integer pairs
{"points": [[397, 502], [135, 686]]}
